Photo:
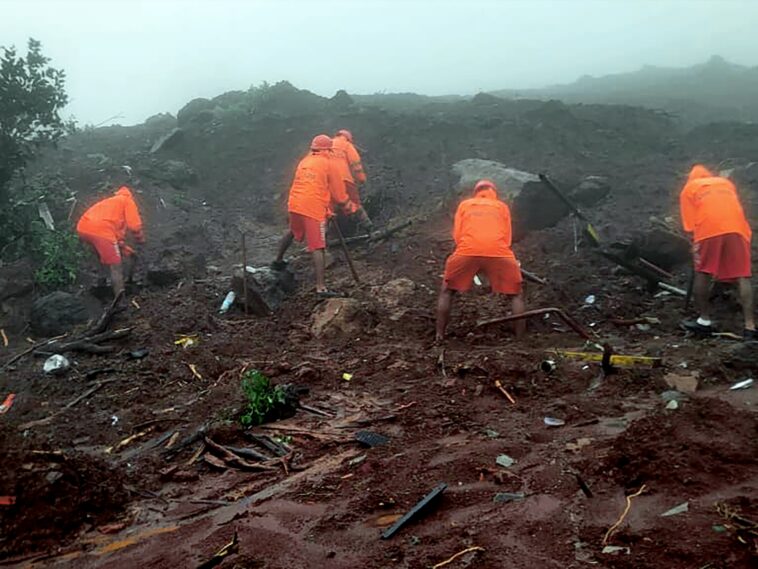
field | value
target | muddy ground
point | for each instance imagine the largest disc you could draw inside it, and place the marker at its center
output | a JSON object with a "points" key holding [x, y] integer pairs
{"points": [[83, 501]]}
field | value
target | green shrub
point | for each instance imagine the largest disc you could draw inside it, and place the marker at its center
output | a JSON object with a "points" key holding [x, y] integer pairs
{"points": [[261, 398], [58, 253]]}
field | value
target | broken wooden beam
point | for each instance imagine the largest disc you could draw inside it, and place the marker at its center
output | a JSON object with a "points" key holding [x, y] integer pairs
{"points": [[573, 324]]}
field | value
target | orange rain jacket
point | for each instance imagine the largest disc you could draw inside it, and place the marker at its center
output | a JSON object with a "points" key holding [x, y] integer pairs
{"points": [[350, 161], [710, 206], [318, 181], [483, 226], [111, 217]]}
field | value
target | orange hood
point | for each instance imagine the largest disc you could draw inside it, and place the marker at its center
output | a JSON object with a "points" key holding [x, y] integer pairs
{"points": [[699, 171], [124, 191]]}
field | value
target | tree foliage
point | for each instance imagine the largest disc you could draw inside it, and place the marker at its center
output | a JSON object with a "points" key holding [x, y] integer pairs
{"points": [[32, 95]]}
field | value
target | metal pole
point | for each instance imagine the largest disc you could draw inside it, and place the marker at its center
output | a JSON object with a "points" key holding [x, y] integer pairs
{"points": [[244, 271]]}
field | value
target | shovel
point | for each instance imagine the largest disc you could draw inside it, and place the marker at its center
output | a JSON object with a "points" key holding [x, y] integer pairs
{"points": [[589, 229]]}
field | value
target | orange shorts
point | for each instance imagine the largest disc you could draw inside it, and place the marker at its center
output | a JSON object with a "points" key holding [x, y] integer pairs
{"points": [[503, 273], [107, 250], [310, 230], [724, 257]]}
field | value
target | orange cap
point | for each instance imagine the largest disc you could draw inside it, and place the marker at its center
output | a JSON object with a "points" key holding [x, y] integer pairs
{"points": [[483, 185], [346, 133], [321, 142]]}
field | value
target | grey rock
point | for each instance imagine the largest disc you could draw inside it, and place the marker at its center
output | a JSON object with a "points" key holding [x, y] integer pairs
{"points": [[57, 313]]}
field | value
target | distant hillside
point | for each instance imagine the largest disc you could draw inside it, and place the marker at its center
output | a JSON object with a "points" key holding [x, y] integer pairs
{"points": [[713, 91]]}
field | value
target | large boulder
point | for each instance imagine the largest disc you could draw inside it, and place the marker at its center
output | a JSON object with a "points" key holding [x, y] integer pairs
{"points": [[340, 317], [508, 180], [533, 205], [57, 313], [266, 289], [16, 279], [175, 172], [168, 140], [663, 248]]}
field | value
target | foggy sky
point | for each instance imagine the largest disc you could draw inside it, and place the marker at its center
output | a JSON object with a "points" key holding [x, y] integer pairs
{"points": [[135, 58]]}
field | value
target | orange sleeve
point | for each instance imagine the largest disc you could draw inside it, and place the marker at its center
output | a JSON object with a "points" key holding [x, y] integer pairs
{"points": [[133, 219], [336, 184], [687, 209], [356, 166], [507, 223], [458, 224]]}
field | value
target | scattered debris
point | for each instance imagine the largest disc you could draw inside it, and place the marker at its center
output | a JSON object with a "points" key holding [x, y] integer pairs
{"points": [[579, 444], [229, 549], [347, 376], [673, 395], [505, 497], [473, 549], [56, 365], [419, 509], [5, 338], [7, 500], [672, 405], [188, 341], [193, 369], [583, 486], [684, 383], [139, 353], [614, 549], [504, 391], [548, 366], [553, 422], [570, 322], [742, 385], [680, 509], [621, 519], [227, 303], [6, 405], [616, 359], [371, 439], [590, 299], [505, 461]]}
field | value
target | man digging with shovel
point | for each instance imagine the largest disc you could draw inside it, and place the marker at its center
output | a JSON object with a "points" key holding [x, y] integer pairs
{"points": [[712, 212], [104, 226], [482, 235], [318, 182]]}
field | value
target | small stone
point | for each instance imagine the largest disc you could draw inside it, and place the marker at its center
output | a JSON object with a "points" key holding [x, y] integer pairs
{"points": [[505, 461], [505, 497], [672, 405]]}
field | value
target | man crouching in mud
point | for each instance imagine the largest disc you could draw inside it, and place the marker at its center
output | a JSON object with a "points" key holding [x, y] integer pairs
{"points": [[482, 234]]}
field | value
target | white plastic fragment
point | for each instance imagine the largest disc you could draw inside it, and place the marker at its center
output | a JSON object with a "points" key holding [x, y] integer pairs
{"points": [[742, 385], [56, 364], [680, 509], [553, 422]]}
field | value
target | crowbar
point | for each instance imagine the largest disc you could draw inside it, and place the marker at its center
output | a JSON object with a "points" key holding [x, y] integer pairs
{"points": [[336, 226]]}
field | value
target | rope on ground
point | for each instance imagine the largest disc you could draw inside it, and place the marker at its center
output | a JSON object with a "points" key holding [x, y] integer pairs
{"points": [[628, 507], [456, 556]]}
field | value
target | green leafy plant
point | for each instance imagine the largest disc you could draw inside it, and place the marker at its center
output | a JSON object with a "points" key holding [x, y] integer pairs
{"points": [[58, 253], [261, 398]]}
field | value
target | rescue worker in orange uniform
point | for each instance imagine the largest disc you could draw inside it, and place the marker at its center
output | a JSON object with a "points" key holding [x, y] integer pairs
{"points": [[352, 170], [104, 226], [317, 184], [482, 235], [711, 211]]}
